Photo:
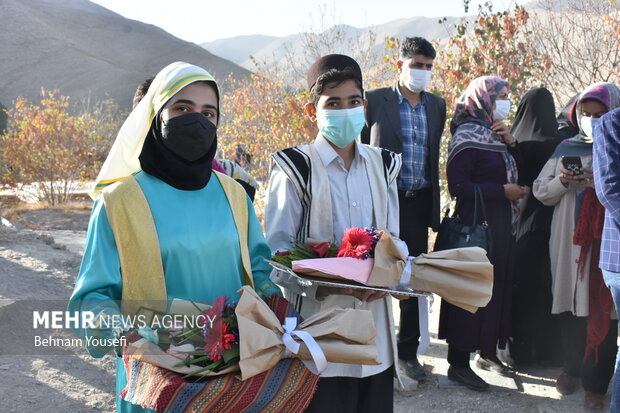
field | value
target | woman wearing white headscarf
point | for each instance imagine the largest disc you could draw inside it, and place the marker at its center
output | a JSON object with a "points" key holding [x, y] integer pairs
{"points": [[166, 226]]}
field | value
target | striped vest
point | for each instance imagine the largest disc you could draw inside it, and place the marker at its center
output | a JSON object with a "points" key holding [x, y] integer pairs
{"points": [[304, 167]]}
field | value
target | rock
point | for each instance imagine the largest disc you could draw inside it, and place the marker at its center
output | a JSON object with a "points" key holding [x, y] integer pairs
{"points": [[46, 238], [5, 222], [6, 226]]}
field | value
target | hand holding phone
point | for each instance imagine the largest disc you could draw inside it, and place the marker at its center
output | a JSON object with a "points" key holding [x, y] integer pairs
{"points": [[573, 164]]}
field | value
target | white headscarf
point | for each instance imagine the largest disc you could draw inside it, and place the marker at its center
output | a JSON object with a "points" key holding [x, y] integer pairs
{"points": [[123, 159]]}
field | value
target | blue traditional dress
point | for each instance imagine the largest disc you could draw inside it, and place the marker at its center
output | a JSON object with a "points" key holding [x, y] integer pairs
{"points": [[199, 249], [154, 201]]}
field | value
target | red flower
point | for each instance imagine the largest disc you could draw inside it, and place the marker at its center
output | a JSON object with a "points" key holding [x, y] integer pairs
{"points": [[217, 309], [356, 243], [227, 338], [282, 253], [320, 249], [214, 328]]}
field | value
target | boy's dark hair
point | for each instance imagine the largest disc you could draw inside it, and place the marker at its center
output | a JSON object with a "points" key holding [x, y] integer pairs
{"points": [[141, 90], [334, 76], [416, 45]]}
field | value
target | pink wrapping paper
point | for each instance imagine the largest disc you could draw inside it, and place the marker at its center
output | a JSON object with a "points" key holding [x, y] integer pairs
{"points": [[347, 268]]}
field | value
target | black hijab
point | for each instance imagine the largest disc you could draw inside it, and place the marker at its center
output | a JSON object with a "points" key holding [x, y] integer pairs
{"points": [[566, 128], [535, 120], [157, 160], [536, 129]]}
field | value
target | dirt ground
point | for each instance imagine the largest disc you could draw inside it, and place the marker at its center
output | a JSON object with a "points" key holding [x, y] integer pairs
{"points": [[39, 260]]}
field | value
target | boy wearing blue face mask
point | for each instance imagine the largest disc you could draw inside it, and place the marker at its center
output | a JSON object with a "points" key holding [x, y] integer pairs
{"points": [[318, 190]]}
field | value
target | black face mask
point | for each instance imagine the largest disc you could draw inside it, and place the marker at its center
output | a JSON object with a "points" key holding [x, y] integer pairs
{"points": [[184, 158], [190, 136]]}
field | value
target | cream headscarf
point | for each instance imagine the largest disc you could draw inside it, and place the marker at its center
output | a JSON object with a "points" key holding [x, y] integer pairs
{"points": [[123, 160]]}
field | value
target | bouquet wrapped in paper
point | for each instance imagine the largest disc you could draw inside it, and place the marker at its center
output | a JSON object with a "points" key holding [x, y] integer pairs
{"points": [[365, 255], [260, 357], [338, 335], [463, 276]]}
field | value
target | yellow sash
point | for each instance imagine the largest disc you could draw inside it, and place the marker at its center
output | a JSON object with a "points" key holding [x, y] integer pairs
{"points": [[130, 217]]}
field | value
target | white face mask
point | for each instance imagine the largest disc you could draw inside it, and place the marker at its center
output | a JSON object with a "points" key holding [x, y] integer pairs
{"points": [[587, 125], [502, 109], [418, 80]]}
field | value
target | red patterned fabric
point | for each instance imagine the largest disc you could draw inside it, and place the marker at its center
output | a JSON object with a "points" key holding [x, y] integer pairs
{"points": [[288, 387], [588, 235]]}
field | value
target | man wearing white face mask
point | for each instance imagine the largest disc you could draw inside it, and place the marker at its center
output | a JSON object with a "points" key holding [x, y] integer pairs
{"points": [[318, 190], [407, 119]]}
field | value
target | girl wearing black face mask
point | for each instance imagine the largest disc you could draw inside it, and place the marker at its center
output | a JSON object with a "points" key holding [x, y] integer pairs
{"points": [[166, 226], [180, 149]]}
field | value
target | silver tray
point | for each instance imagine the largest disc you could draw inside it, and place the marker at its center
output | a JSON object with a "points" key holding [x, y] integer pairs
{"points": [[308, 280]]}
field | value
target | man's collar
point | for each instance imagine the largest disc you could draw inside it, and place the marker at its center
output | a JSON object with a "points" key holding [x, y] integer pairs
{"points": [[328, 154]]}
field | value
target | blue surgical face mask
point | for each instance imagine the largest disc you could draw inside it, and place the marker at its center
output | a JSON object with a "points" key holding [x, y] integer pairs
{"points": [[587, 125], [341, 126]]}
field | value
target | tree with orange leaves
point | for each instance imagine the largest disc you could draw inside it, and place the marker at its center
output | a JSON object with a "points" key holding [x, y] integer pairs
{"points": [[492, 43], [46, 146], [261, 115]]}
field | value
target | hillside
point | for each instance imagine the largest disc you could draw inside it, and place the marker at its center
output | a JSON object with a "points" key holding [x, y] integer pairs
{"points": [[85, 50], [274, 49]]}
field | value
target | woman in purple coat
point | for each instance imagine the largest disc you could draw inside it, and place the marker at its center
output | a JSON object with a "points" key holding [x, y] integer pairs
{"points": [[482, 152]]}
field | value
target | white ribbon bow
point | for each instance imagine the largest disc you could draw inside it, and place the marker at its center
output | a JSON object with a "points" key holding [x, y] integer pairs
{"points": [[425, 337], [318, 362], [405, 281]]}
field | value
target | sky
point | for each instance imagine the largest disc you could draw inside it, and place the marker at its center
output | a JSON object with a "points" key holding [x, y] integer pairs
{"points": [[201, 21]]}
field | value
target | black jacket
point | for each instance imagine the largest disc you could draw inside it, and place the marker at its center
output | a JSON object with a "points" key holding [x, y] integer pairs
{"points": [[383, 129]]}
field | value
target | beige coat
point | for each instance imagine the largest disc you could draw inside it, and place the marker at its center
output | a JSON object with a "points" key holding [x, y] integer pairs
{"points": [[570, 293]]}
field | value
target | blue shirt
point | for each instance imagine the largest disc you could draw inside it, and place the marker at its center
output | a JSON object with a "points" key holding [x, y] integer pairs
{"points": [[415, 172], [606, 166]]}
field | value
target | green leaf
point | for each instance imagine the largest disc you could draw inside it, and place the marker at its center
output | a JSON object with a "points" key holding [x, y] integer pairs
{"points": [[210, 367], [229, 355]]}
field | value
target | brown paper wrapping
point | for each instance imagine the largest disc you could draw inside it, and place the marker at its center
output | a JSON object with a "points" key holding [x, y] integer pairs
{"points": [[344, 335], [389, 263], [462, 276], [148, 352]]}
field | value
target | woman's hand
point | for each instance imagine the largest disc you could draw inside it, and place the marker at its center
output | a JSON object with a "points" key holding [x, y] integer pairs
{"points": [[514, 191], [503, 132], [586, 179]]}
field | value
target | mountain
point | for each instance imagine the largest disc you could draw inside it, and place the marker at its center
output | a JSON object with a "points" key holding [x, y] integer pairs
{"points": [[87, 51], [238, 48], [274, 49]]}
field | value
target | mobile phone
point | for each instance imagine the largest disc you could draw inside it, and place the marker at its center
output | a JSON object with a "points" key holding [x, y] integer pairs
{"points": [[573, 164]]}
